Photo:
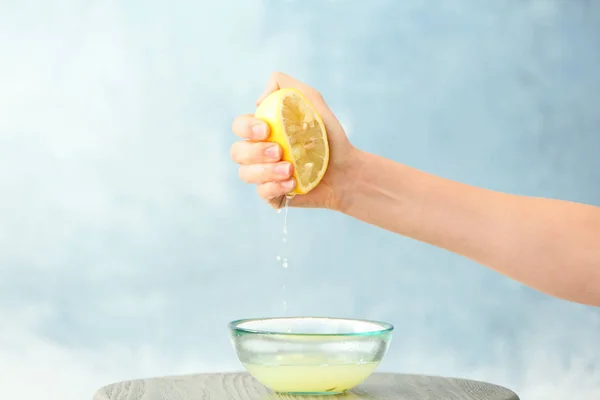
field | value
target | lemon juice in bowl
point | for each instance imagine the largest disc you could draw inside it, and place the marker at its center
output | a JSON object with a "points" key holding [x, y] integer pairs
{"points": [[295, 373], [310, 355]]}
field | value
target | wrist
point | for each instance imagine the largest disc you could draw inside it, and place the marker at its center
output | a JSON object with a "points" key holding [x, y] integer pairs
{"points": [[347, 179]]}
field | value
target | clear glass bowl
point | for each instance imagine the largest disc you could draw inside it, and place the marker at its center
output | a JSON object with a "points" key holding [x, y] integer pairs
{"points": [[310, 355]]}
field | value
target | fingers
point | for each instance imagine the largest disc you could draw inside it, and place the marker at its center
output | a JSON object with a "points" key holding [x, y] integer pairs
{"points": [[248, 127], [272, 191], [247, 152], [262, 173]]}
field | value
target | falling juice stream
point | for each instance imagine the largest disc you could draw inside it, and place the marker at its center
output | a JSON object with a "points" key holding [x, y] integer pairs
{"points": [[282, 258]]}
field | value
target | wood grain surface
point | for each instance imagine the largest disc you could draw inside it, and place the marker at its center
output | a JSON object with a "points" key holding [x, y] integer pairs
{"points": [[241, 386]]}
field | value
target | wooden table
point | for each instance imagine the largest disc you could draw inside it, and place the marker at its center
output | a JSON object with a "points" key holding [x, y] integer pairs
{"points": [[241, 386]]}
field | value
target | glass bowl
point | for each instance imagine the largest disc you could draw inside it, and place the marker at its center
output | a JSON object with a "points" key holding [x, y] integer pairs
{"points": [[310, 355]]}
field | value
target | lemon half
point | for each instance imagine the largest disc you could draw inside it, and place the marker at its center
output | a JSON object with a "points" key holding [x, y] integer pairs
{"points": [[299, 130]]}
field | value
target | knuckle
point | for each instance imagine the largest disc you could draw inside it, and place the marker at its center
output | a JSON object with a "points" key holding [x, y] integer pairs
{"points": [[276, 75], [266, 191], [233, 152], [241, 126], [317, 95], [237, 124], [243, 173], [263, 191], [236, 153]]}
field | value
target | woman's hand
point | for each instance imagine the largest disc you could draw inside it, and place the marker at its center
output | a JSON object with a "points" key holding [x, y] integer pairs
{"points": [[261, 164]]}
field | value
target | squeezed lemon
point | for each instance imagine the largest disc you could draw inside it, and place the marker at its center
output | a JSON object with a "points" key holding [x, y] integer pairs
{"points": [[298, 129]]}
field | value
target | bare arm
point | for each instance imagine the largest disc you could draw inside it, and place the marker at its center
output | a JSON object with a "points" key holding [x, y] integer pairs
{"points": [[550, 245]]}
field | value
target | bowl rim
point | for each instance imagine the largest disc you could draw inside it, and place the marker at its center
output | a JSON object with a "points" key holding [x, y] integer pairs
{"points": [[234, 326]]}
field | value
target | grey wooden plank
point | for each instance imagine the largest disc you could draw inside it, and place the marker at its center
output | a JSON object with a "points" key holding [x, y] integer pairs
{"points": [[241, 386]]}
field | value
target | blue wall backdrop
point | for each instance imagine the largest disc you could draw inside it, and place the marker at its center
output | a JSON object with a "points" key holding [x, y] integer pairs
{"points": [[127, 242]]}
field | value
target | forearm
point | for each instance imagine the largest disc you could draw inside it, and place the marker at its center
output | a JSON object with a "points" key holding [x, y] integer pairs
{"points": [[551, 245]]}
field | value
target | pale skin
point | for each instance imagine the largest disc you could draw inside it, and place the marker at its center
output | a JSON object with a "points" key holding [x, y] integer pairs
{"points": [[550, 245]]}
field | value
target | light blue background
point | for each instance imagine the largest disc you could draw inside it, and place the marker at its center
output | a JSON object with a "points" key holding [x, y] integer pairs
{"points": [[127, 242]]}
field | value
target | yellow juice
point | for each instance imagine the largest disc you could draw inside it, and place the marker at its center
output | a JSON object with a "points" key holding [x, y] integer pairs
{"points": [[310, 375]]}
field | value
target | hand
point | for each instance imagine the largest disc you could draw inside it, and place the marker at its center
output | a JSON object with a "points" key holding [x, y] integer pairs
{"points": [[260, 161]]}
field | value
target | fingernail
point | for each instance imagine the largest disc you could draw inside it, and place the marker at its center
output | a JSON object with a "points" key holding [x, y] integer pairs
{"points": [[272, 152], [282, 169], [259, 131], [287, 185]]}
